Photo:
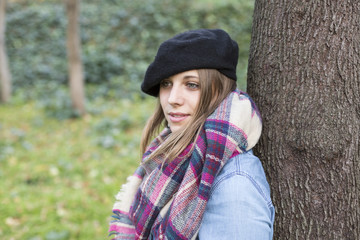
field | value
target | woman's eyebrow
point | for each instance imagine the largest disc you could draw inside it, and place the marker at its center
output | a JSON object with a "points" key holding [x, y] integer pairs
{"points": [[190, 76]]}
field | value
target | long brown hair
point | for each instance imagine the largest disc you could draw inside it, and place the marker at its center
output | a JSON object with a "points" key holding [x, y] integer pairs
{"points": [[214, 87]]}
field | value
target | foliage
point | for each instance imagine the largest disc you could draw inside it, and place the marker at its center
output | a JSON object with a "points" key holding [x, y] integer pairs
{"points": [[119, 39], [36, 44], [58, 178]]}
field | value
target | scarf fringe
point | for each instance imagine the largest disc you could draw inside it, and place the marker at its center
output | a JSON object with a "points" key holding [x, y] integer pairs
{"points": [[126, 195]]}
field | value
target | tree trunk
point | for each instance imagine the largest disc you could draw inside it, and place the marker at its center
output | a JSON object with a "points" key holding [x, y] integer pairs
{"points": [[76, 78], [5, 75], [304, 74]]}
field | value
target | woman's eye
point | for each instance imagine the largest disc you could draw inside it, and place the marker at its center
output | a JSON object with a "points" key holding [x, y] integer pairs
{"points": [[165, 84], [193, 85]]}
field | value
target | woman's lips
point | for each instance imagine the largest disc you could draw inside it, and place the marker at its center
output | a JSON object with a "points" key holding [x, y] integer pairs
{"points": [[177, 117]]}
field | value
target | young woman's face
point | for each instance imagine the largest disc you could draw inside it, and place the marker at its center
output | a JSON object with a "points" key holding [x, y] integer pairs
{"points": [[179, 97]]}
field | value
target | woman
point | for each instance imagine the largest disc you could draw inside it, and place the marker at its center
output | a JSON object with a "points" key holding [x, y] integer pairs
{"points": [[199, 178]]}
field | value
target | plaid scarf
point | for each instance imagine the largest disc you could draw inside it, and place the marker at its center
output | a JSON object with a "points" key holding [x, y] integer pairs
{"points": [[167, 200]]}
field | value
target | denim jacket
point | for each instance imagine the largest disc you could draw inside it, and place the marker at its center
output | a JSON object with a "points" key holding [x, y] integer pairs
{"points": [[240, 206]]}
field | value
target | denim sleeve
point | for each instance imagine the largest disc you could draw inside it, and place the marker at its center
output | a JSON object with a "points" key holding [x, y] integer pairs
{"points": [[238, 209]]}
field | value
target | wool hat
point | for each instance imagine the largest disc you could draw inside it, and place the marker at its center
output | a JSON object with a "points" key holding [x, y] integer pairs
{"points": [[194, 49]]}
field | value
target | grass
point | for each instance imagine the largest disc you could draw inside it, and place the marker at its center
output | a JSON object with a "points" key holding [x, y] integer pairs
{"points": [[58, 178]]}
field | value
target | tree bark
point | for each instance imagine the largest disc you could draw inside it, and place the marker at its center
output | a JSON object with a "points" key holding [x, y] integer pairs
{"points": [[76, 78], [5, 75], [304, 74]]}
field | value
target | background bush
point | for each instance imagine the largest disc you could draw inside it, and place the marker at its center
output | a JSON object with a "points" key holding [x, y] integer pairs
{"points": [[119, 38]]}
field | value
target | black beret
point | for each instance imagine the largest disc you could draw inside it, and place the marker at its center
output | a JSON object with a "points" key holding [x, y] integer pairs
{"points": [[195, 49]]}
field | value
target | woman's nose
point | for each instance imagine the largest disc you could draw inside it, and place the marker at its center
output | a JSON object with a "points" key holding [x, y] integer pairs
{"points": [[176, 96]]}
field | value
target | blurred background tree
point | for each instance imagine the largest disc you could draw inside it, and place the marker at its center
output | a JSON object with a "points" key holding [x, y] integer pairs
{"points": [[5, 75], [75, 66]]}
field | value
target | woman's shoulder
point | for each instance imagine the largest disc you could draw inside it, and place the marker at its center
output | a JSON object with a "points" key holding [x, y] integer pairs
{"points": [[244, 169], [240, 206]]}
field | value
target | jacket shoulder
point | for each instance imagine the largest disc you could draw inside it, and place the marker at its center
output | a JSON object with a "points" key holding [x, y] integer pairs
{"points": [[245, 165]]}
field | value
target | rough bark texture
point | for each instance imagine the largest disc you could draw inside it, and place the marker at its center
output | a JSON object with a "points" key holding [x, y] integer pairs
{"points": [[5, 75], [304, 74], [76, 78]]}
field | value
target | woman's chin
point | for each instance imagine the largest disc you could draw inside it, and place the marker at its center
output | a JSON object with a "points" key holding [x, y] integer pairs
{"points": [[176, 128]]}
